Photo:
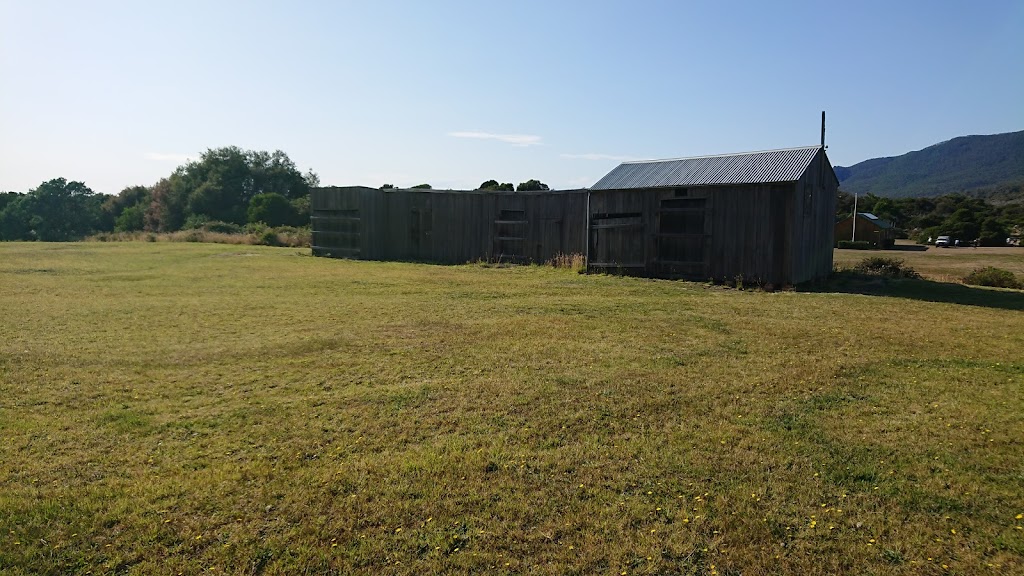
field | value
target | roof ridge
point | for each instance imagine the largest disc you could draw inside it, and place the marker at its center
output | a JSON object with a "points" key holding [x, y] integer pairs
{"points": [[794, 148]]}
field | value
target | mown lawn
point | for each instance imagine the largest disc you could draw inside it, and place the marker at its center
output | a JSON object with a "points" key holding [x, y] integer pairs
{"points": [[943, 264], [187, 408]]}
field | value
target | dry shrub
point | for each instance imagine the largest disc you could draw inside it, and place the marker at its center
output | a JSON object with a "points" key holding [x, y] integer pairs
{"points": [[885, 266], [575, 261], [284, 236], [992, 276]]}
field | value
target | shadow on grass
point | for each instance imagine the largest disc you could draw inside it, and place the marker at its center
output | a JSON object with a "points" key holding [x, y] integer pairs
{"points": [[909, 248], [927, 290]]}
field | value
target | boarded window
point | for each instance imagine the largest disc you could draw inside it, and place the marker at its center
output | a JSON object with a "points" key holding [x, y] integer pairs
{"points": [[680, 237], [617, 240], [337, 231], [510, 234]]}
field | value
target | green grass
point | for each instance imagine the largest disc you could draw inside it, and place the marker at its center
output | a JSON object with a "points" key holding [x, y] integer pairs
{"points": [[192, 408]]}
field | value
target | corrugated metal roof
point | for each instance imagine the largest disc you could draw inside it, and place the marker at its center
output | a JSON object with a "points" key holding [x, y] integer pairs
{"points": [[883, 224], [786, 165]]}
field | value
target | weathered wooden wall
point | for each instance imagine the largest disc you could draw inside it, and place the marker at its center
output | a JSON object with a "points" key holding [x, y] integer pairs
{"points": [[696, 232], [867, 231], [766, 233], [450, 227], [812, 227]]}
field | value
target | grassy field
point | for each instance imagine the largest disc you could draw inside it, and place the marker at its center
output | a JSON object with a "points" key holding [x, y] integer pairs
{"points": [[943, 264], [192, 408]]}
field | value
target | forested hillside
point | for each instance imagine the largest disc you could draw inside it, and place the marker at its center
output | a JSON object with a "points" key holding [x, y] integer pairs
{"points": [[974, 165]]}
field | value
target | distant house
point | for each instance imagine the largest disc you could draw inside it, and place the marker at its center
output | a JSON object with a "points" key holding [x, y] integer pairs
{"points": [[763, 216], [870, 228]]}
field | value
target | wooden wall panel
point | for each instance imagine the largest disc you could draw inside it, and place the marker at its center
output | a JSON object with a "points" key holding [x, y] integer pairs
{"points": [[454, 227]]}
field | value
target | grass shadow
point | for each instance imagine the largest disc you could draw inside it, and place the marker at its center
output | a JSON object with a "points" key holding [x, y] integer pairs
{"points": [[847, 282], [908, 248]]}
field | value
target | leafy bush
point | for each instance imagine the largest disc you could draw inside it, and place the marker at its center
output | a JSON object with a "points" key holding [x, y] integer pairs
{"points": [[992, 276], [256, 228], [885, 266], [131, 219], [254, 234], [858, 245], [222, 227], [195, 222], [272, 209], [294, 236], [268, 238]]}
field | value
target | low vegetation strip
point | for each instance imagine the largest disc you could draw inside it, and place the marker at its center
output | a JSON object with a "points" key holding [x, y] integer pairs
{"points": [[941, 264], [257, 234], [174, 407]]}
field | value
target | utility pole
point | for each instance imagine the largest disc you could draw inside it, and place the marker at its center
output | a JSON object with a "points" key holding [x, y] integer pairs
{"points": [[854, 237]]}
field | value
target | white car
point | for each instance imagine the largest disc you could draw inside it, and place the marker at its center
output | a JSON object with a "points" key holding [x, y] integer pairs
{"points": [[943, 242]]}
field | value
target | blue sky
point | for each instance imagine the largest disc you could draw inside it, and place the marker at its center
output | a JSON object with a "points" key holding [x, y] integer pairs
{"points": [[116, 93]]}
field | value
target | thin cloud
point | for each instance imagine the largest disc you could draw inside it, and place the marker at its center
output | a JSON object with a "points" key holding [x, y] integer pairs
{"points": [[161, 157], [513, 139], [600, 157]]}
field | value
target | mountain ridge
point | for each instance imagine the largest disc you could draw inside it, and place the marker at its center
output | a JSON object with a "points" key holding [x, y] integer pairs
{"points": [[959, 165]]}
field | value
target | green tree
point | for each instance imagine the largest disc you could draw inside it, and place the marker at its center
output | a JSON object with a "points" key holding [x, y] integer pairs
{"points": [[962, 225], [302, 210], [422, 187], [114, 206], [221, 184], [166, 210], [272, 209], [494, 185], [131, 219], [531, 185], [14, 219], [8, 197], [55, 211], [993, 233]]}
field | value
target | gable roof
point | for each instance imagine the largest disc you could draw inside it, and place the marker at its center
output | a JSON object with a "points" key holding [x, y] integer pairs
{"points": [[785, 165], [883, 224]]}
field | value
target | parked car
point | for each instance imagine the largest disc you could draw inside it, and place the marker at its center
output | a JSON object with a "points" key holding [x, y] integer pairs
{"points": [[943, 242]]}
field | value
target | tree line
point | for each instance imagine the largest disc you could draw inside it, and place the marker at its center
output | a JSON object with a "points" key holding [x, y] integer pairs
{"points": [[226, 188], [229, 185], [239, 187], [957, 215], [490, 185]]}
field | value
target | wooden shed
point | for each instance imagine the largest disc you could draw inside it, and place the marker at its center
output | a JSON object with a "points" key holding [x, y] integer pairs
{"points": [[870, 228], [447, 226], [764, 216]]}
